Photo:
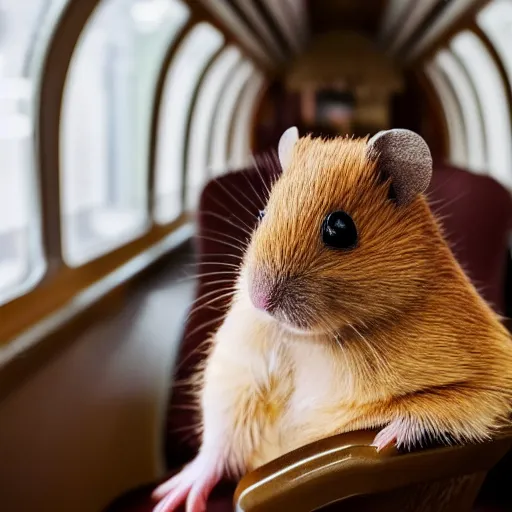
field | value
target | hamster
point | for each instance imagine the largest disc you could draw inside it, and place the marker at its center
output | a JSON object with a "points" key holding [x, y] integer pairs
{"points": [[350, 313]]}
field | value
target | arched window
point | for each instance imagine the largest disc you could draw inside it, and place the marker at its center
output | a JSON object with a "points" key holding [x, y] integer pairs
{"points": [[183, 77], [475, 134], [105, 126], [201, 128], [220, 145], [452, 113], [491, 94], [496, 21], [25, 31], [240, 153]]}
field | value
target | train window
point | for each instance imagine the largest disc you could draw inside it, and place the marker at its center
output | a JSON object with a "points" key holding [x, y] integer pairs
{"points": [[21, 254], [453, 115], [241, 141], [105, 124], [491, 92], [181, 82], [224, 115], [475, 135], [202, 118], [496, 21]]}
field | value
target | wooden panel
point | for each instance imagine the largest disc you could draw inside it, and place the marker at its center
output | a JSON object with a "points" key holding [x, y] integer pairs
{"points": [[329, 15]]}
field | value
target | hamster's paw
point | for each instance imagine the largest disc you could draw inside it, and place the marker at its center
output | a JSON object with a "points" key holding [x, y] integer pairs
{"points": [[400, 432], [192, 485]]}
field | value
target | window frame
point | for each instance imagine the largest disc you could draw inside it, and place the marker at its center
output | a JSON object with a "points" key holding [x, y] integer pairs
{"points": [[473, 120], [188, 122], [504, 178], [452, 112], [243, 117], [57, 290], [41, 42], [210, 126], [212, 164]]}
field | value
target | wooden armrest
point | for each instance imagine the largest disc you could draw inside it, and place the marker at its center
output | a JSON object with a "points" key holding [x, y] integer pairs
{"points": [[347, 465]]}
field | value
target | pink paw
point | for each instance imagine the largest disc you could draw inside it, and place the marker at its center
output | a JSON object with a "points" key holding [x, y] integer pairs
{"points": [[400, 433], [192, 485]]}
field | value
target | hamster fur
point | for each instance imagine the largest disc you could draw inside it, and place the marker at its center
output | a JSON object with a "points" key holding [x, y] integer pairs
{"points": [[389, 335]]}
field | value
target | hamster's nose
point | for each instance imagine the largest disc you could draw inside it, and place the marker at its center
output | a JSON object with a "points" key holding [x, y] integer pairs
{"points": [[260, 299], [260, 291]]}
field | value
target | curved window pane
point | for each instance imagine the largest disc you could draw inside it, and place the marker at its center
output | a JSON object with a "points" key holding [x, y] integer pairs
{"points": [[475, 135], [452, 114], [180, 84], [106, 123], [240, 155], [22, 42], [496, 21], [492, 96], [202, 119], [224, 115]]}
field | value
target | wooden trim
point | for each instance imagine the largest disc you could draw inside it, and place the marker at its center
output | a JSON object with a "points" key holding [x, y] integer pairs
{"points": [[443, 39], [389, 37], [227, 79], [478, 105], [54, 72], [157, 106], [256, 113], [436, 108], [201, 13], [188, 125], [41, 343], [232, 121], [480, 33], [63, 285]]}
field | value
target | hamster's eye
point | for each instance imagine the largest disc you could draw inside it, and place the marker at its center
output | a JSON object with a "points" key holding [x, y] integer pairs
{"points": [[261, 214], [339, 231]]}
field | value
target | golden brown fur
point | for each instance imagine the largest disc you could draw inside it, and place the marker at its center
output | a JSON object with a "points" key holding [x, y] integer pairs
{"points": [[391, 331]]}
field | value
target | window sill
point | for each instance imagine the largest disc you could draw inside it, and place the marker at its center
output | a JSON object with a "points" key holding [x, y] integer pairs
{"points": [[70, 289]]}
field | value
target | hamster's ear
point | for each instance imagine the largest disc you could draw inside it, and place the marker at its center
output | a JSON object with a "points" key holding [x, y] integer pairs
{"points": [[404, 157], [286, 144]]}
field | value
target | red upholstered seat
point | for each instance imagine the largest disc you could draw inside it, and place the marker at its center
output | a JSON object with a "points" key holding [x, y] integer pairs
{"points": [[477, 217], [477, 213]]}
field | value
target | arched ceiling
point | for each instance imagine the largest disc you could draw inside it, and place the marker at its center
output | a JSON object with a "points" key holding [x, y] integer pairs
{"points": [[362, 16]]}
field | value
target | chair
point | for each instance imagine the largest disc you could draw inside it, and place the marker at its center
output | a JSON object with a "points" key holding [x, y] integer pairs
{"points": [[343, 467]]}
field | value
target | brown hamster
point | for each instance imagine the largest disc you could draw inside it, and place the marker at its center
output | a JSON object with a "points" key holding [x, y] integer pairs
{"points": [[350, 313]]}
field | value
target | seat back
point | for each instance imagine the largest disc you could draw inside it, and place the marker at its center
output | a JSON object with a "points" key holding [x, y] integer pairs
{"points": [[473, 208], [476, 213], [227, 213]]}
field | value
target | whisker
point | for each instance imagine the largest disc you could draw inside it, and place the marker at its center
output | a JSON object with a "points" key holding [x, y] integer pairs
{"points": [[227, 235], [224, 255], [226, 190], [203, 325], [263, 181], [209, 294], [260, 199], [204, 345], [206, 274], [211, 239], [221, 263], [244, 228], [212, 301]]}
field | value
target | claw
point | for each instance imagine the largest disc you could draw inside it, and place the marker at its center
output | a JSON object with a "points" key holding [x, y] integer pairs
{"points": [[386, 437], [402, 432], [192, 486]]}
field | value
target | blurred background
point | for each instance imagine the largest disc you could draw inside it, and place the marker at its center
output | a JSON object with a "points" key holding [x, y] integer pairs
{"points": [[114, 117]]}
